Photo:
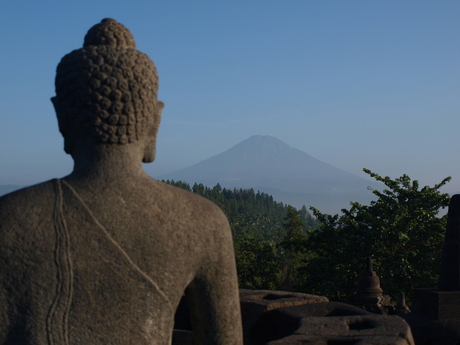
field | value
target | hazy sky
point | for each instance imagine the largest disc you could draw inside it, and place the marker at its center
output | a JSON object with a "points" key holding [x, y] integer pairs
{"points": [[356, 84]]}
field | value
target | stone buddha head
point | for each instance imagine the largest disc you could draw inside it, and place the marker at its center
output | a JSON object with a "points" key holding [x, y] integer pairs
{"points": [[106, 92]]}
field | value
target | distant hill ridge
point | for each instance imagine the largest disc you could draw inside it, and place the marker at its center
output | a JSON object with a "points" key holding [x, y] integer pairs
{"points": [[271, 166], [267, 164]]}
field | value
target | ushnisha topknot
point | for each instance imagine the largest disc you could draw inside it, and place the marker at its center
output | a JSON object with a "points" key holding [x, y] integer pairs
{"points": [[106, 89], [111, 33]]}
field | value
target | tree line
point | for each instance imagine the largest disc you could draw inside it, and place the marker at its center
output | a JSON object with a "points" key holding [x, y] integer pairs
{"points": [[281, 248]]}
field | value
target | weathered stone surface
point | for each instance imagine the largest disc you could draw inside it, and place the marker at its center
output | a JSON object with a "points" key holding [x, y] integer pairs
{"points": [[256, 303], [320, 310], [435, 316], [436, 304], [283, 322], [269, 300], [359, 330], [104, 255], [426, 330]]}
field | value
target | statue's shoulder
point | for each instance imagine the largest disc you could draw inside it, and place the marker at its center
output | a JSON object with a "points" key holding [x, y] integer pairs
{"points": [[27, 203], [185, 202]]}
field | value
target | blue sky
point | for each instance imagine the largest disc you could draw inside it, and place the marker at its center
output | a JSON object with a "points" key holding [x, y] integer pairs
{"points": [[356, 84]]}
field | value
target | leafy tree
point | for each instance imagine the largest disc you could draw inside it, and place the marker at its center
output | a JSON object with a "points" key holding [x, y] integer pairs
{"points": [[309, 221], [258, 264], [293, 224], [294, 245], [401, 230]]}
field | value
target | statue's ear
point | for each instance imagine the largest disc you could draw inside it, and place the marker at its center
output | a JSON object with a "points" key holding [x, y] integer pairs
{"points": [[54, 101], [62, 123], [158, 109], [58, 110], [150, 142]]}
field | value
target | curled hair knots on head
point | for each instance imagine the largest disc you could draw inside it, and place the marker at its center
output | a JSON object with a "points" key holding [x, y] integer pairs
{"points": [[107, 88]]}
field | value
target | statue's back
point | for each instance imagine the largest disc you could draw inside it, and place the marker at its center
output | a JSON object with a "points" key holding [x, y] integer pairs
{"points": [[68, 278]]}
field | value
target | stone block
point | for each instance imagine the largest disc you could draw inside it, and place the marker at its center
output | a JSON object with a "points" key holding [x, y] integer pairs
{"points": [[269, 300], [436, 304], [347, 330], [428, 331], [256, 303], [283, 322]]}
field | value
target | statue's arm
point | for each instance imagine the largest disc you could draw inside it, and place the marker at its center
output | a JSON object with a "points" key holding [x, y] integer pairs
{"points": [[213, 295]]}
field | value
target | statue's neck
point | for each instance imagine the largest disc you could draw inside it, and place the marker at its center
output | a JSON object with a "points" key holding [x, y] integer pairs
{"points": [[107, 164]]}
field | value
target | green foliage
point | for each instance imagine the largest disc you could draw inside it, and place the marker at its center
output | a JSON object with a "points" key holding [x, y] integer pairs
{"points": [[278, 247], [309, 222], [293, 225], [400, 230], [293, 245], [258, 263]]}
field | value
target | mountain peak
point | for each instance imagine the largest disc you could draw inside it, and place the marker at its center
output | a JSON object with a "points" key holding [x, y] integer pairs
{"points": [[263, 140], [260, 148], [266, 163]]}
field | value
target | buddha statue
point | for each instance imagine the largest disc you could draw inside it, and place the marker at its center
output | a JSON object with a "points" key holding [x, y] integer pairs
{"points": [[104, 255]]}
